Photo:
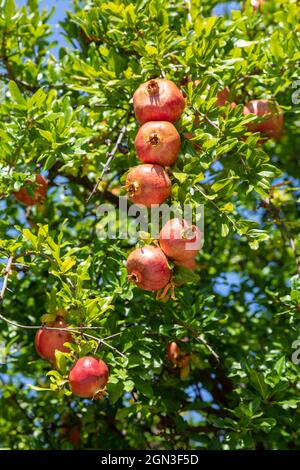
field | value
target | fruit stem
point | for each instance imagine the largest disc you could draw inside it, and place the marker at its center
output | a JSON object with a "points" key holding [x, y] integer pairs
{"points": [[153, 87]]}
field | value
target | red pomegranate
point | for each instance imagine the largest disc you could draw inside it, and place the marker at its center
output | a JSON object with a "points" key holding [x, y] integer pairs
{"points": [[173, 352], [158, 100], [179, 240], [148, 268], [270, 118], [88, 376], [157, 142], [148, 184], [39, 192], [187, 263], [223, 96], [74, 436], [48, 341]]}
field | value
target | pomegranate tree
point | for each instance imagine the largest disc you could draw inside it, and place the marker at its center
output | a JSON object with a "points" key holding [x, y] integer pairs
{"points": [[48, 340], [88, 377], [148, 268], [39, 191], [270, 118], [179, 240], [148, 184], [157, 142], [158, 100]]}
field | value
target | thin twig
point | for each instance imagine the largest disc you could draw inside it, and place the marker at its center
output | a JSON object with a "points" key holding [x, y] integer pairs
{"points": [[6, 276], [216, 207], [207, 119], [200, 339], [76, 331], [110, 156], [275, 212]]}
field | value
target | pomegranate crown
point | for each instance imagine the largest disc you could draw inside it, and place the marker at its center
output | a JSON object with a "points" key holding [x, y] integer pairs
{"points": [[153, 87]]}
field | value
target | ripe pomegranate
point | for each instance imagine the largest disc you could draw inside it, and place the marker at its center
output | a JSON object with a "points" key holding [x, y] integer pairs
{"points": [[271, 118], [179, 240], [173, 352], [72, 434], [223, 96], [148, 268], [88, 377], [48, 341], [158, 100], [148, 184], [39, 192], [187, 263], [157, 142]]}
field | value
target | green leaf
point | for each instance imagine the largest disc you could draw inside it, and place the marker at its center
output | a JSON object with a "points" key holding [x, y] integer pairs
{"points": [[67, 265], [9, 9], [181, 177], [46, 134], [30, 237], [258, 381], [16, 94], [280, 365]]}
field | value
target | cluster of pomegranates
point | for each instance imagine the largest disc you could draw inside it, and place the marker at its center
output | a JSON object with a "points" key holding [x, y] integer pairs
{"points": [[148, 267], [88, 375], [157, 105]]}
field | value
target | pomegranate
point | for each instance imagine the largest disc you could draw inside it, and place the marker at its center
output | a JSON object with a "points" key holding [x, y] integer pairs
{"points": [[270, 118], [187, 263], [158, 100], [148, 184], [179, 240], [88, 377], [148, 268], [39, 191], [173, 352], [223, 96], [48, 341], [157, 142], [74, 436]]}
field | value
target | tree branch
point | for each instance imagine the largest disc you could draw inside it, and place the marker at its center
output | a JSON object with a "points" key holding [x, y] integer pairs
{"points": [[110, 157], [275, 213], [6, 273], [200, 339]]}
